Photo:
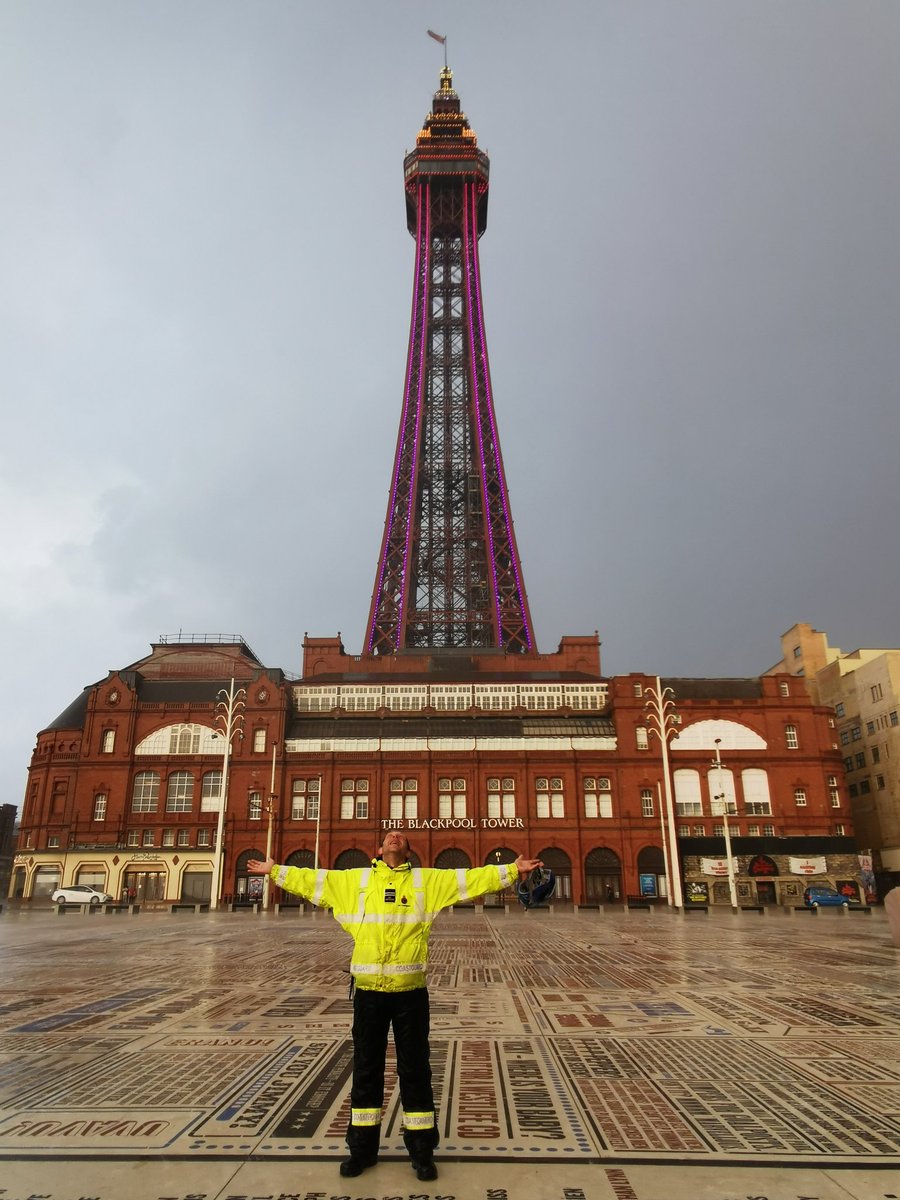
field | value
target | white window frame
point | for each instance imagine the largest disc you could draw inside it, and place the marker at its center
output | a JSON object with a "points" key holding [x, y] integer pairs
{"points": [[145, 791], [354, 799]]}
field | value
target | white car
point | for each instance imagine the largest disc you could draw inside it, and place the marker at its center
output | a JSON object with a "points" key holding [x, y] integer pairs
{"points": [[80, 893]]}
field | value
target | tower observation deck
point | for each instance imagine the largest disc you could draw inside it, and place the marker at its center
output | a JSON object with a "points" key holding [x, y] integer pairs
{"points": [[448, 574]]}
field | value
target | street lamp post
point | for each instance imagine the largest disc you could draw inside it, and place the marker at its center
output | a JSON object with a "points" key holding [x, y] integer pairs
{"points": [[662, 720], [229, 720], [662, 828], [270, 810], [318, 823], [723, 800]]}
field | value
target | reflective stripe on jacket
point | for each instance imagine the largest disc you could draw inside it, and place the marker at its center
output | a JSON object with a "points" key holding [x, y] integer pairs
{"points": [[389, 912]]}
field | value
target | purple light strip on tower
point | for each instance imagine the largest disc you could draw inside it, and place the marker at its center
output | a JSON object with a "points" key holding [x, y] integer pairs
{"points": [[426, 291], [497, 459], [398, 459], [468, 189]]}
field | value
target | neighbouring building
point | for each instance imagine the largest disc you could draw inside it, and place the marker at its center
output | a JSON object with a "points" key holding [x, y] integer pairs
{"points": [[862, 689]]}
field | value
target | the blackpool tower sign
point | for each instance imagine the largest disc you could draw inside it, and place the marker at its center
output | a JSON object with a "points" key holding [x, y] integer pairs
{"points": [[405, 823]]}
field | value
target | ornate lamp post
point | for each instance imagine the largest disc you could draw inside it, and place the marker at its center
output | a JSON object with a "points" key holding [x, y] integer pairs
{"points": [[662, 719], [722, 800], [229, 720], [270, 810]]}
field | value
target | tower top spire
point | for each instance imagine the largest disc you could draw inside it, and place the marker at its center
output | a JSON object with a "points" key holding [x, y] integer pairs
{"points": [[446, 120]]}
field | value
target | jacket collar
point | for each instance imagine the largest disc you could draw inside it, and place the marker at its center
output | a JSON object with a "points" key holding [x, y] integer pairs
{"points": [[380, 865]]}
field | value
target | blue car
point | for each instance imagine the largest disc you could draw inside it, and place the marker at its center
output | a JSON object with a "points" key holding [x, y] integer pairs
{"points": [[820, 893]]}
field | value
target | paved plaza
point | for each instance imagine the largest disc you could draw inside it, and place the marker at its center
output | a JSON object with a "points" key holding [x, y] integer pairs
{"points": [[588, 1056]]}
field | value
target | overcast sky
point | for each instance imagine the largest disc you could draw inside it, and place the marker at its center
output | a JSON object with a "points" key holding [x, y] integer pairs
{"points": [[692, 285]]}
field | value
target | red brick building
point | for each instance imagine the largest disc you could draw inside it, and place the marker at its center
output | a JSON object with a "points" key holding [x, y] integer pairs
{"points": [[477, 756]]}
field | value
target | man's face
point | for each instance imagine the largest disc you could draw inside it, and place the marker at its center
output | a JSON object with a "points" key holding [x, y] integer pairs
{"points": [[395, 843]]}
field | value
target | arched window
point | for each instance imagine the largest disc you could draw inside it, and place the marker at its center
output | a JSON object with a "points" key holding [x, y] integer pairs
{"points": [[351, 858], [145, 792], [561, 866], [184, 739], [211, 791], [757, 801], [299, 858], [180, 792], [453, 859], [688, 796]]}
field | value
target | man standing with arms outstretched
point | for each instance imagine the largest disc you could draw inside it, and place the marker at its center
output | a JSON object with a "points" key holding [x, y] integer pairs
{"points": [[388, 909]]}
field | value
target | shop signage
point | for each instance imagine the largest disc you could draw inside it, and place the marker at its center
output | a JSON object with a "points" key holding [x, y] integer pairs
{"points": [[714, 866], [453, 823], [806, 866]]}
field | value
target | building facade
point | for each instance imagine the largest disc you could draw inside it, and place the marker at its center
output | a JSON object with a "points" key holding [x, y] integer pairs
{"points": [[476, 757]]}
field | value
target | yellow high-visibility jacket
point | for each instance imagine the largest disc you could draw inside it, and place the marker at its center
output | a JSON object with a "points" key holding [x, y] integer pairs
{"points": [[389, 912]]}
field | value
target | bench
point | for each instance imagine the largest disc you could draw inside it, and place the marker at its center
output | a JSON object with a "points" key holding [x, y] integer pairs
{"points": [[244, 906], [185, 906], [638, 906], [759, 908], [122, 908], [704, 908]]}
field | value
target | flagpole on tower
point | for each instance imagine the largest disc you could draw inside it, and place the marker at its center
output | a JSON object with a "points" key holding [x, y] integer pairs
{"points": [[439, 37]]}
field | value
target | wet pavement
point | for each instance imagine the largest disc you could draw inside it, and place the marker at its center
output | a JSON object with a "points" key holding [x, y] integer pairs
{"points": [[589, 1056]]}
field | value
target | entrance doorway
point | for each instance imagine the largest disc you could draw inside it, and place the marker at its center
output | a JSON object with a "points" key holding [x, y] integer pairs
{"points": [[765, 891], [603, 877]]}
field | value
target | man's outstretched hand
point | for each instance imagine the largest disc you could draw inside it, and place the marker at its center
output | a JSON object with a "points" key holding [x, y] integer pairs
{"points": [[260, 866], [526, 865]]}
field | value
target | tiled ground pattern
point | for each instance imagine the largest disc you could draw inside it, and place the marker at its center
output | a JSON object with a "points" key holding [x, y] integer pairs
{"points": [[576, 1039]]}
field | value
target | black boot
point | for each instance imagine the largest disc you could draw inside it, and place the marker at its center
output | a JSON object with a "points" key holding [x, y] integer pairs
{"points": [[424, 1168], [357, 1163]]}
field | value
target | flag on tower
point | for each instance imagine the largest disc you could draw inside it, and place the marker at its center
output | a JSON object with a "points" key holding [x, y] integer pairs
{"points": [[437, 37]]}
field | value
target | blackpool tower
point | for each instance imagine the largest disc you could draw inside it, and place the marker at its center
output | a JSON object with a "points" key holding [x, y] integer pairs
{"points": [[448, 573]]}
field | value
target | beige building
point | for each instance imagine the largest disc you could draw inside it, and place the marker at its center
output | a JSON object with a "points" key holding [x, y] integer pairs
{"points": [[863, 688]]}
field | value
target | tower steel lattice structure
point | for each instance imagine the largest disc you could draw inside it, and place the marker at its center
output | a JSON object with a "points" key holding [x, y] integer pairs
{"points": [[448, 575]]}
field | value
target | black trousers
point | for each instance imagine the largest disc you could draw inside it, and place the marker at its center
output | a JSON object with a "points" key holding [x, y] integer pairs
{"points": [[373, 1014]]}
